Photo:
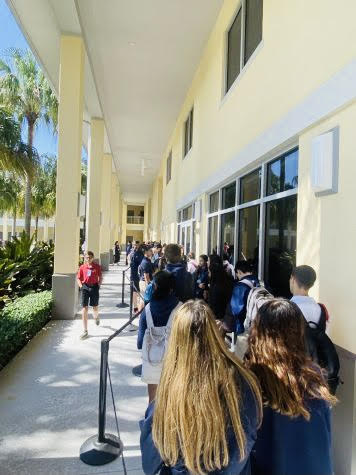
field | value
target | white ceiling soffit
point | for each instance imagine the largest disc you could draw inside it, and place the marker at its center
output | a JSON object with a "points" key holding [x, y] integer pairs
{"points": [[144, 55]]}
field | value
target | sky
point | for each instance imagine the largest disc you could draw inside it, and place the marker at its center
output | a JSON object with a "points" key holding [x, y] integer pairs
{"points": [[11, 37]]}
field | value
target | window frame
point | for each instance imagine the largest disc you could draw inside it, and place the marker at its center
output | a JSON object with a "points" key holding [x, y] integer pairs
{"points": [[262, 201], [188, 133], [241, 8], [185, 224]]}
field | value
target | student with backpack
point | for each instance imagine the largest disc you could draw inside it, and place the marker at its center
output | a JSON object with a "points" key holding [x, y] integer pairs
{"points": [[184, 280], [154, 329], [220, 287], [238, 303], [295, 435], [319, 345], [208, 405]]}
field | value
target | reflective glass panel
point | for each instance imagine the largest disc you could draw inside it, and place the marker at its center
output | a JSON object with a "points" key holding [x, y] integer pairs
{"points": [[194, 238], [282, 174], [213, 235], [250, 187], [233, 51], [281, 244], [253, 26], [229, 196], [227, 238], [187, 243], [214, 202], [249, 226]]}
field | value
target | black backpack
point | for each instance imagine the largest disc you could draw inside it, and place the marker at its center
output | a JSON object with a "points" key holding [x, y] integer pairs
{"points": [[322, 350]]}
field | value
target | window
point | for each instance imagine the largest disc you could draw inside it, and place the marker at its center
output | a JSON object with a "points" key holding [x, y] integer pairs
{"points": [[214, 202], [234, 50], [188, 133], [261, 226], [253, 26], [250, 187], [229, 196], [281, 244], [282, 174], [213, 235], [169, 168], [249, 220], [228, 234], [187, 213], [179, 216], [240, 47]]}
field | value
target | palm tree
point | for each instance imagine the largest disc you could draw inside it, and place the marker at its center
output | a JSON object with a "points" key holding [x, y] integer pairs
{"points": [[25, 91], [44, 189], [10, 188], [15, 156]]}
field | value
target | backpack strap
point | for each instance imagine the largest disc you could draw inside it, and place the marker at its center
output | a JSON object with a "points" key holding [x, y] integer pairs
{"points": [[149, 319], [170, 319], [247, 282]]}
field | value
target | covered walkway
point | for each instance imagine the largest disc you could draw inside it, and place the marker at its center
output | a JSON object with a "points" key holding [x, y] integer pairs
{"points": [[49, 394]]}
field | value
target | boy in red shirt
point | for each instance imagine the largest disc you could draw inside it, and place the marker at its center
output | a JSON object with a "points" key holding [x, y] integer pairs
{"points": [[89, 279]]}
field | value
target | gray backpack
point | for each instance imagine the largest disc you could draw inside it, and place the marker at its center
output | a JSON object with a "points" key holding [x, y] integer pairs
{"points": [[256, 298]]}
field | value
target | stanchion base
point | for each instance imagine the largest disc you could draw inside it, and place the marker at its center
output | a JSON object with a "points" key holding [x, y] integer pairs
{"points": [[122, 305], [93, 452], [137, 370]]}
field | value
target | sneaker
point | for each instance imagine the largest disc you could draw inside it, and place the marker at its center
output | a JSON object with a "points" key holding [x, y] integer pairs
{"points": [[97, 321], [84, 335]]}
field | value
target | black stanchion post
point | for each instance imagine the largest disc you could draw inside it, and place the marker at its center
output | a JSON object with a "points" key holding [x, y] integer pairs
{"points": [[131, 298], [102, 448], [123, 304]]}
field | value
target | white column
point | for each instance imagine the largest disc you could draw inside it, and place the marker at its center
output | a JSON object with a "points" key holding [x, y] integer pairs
{"points": [[124, 221], [95, 165], [70, 120], [105, 234]]}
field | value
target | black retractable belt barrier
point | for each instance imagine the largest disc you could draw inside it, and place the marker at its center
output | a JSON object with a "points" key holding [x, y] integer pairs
{"points": [[123, 304], [103, 448]]}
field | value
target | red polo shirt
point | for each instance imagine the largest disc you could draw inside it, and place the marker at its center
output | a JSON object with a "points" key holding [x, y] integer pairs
{"points": [[89, 273]]}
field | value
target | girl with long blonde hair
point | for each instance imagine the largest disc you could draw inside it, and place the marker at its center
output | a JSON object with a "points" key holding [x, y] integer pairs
{"points": [[208, 405], [295, 435]]}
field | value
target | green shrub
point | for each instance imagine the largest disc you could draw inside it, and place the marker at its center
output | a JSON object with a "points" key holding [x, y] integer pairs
{"points": [[21, 320], [25, 268]]}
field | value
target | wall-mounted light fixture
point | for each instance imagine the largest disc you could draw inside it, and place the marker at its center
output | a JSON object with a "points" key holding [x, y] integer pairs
{"points": [[325, 163]]}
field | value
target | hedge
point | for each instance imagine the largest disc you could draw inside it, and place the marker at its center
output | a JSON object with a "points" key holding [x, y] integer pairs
{"points": [[21, 320]]}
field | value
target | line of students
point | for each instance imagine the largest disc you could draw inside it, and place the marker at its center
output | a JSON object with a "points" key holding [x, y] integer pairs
{"points": [[213, 413]]}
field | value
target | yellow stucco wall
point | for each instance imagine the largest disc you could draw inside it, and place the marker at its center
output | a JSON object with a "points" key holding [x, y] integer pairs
{"points": [[326, 233], [304, 45]]}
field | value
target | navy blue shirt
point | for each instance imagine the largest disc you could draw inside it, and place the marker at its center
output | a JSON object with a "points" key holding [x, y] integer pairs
{"points": [[136, 259], [145, 267], [151, 459], [202, 277], [184, 281], [287, 446]]}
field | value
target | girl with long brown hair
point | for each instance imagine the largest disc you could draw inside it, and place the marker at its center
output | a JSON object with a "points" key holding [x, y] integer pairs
{"points": [[295, 437], [208, 405]]}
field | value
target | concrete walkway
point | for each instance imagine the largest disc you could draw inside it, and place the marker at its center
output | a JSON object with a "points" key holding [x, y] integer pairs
{"points": [[49, 394]]}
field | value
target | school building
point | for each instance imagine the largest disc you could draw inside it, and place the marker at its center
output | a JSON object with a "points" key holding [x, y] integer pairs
{"points": [[210, 122]]}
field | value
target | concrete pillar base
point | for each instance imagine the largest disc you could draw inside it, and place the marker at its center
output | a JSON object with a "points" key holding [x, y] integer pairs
{"points": [[65, 296], [104, 261], [111, 254], [344, 431]]}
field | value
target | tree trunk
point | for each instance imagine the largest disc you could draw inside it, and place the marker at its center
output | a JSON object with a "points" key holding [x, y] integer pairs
{"points": [[36, 238], [28, 195], [14, 216]]}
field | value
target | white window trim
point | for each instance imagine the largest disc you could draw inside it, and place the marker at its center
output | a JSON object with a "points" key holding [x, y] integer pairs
{"points": [[243, 66]]}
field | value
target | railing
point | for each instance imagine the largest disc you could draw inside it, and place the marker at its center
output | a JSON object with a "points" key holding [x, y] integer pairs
{"points": [[135, 220]]}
